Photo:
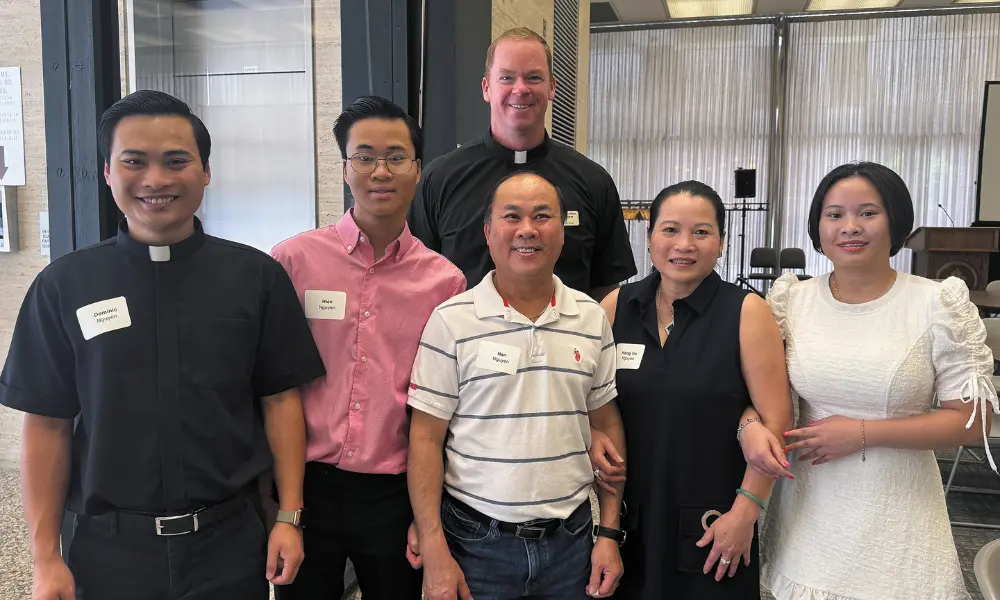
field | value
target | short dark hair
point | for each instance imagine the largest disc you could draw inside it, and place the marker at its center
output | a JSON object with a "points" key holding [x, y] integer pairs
{"points": [[151, 103], [492, 196], [890, 187], [518, 34], [695, 188], [376, 107]]}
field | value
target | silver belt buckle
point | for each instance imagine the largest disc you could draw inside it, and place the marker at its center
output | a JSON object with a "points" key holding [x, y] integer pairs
{"points": [[160, 520]]}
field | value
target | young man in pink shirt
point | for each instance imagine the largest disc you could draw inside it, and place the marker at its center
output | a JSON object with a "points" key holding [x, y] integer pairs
{"points": [[368, 287]]}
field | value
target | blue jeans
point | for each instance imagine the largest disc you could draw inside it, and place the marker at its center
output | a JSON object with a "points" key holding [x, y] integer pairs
{"points": [[501, 566]]}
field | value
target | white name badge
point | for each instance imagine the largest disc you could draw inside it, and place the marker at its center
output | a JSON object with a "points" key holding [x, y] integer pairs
{"points": [[630, 355], [104, 316], [572, 218], [320, 304], [498, 357]]}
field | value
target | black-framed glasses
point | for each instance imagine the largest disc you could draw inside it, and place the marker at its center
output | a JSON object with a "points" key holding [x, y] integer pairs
{"points": [[398, 164]]}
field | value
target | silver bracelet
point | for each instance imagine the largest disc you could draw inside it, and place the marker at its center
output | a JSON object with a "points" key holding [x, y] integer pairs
{"points": [[744, 424]]}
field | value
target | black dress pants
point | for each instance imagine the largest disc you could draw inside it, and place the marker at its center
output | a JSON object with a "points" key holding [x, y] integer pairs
{"points": [[225, 560], [362, 517]]}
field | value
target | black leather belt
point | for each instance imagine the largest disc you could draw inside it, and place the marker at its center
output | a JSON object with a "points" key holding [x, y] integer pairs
{"points": [[171, 525], [531, 530]]}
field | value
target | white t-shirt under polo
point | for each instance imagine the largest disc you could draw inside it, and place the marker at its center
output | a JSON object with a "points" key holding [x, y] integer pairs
{"points": [[517, 395]]}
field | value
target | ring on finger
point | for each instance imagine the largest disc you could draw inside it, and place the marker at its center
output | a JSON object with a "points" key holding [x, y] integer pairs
{"points": [[725, 561], [597, 473]]}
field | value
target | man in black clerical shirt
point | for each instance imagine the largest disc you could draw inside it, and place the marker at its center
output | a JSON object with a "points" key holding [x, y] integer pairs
{"points": [[446, 213], [159, 374]]}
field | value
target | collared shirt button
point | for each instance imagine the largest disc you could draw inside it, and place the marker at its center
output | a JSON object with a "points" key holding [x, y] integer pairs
{"points": [[357, 406], [367, 314], [364, 359], [372, 270], [363, 239], [350, 453], [349, 248]]}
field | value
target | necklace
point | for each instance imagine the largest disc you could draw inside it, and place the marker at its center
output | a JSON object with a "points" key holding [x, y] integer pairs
{"points": [[505, 303], [836, 289], [669, 326]]}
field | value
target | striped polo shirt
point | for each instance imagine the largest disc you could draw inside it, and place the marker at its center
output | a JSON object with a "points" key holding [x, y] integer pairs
{"points": [[516, 395]]}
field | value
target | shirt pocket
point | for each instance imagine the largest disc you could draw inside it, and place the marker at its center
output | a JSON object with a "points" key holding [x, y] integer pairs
{"points": [[218, 353]]}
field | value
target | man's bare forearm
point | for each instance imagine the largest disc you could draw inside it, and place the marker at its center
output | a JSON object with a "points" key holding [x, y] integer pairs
{"points": [[425, 479], [45, 471], [285, 426], [608, 421]]}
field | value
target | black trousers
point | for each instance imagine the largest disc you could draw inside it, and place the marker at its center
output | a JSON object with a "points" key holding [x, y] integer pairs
{"points": [[226, 560], [361, 517]]}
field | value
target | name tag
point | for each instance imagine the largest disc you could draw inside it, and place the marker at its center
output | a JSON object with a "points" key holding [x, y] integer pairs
{"points": [[320, 304], [104, 316], [498, 357], [630, 355], [572, 218]]}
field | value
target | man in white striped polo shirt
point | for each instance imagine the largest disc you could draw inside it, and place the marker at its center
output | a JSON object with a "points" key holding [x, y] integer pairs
{"points": [[508, 381]]}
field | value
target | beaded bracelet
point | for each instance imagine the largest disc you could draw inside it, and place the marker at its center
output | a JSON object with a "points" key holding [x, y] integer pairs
{"points": [[739, 430], [759, 502]]}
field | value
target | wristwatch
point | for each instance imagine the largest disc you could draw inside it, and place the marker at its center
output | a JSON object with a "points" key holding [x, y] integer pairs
{"points": [[292, 517], [617, 535]]}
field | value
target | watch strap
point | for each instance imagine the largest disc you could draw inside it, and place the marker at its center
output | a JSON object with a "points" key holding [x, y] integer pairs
{"points": [[292, 517], [617, 535]]}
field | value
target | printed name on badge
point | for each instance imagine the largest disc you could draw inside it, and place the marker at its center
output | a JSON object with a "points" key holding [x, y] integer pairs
{"points": [[630, 355], [104, 316], [572, 218], [325, 305], [498, 357]]}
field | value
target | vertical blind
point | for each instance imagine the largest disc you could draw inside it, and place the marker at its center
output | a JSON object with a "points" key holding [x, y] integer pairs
{"points": [[904, 92], [679, 104], [675, 104]]}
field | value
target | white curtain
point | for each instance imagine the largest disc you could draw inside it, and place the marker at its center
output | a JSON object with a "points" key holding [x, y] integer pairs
{"points": [[675, 104], [678, 104], [903, 92]]}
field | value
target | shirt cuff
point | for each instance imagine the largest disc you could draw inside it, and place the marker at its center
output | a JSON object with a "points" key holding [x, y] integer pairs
{"points": [[17, 400]]}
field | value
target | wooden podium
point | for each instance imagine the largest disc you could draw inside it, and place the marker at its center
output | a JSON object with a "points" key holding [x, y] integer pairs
{"points": [[963, 252]]}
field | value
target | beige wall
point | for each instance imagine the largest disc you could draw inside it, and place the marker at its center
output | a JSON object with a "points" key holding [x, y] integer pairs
{"points": [[537, 15], [21, 46], [328, 92]]}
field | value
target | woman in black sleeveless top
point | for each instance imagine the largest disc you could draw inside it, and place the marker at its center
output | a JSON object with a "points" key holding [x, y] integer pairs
{"points": [[695, 352]]}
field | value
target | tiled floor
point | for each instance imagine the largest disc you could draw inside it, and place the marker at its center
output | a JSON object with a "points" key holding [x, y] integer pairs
{"points": [[15, 577]]}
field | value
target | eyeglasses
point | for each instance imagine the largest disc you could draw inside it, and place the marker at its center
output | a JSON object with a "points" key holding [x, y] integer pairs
{"points": [[398, 164]]}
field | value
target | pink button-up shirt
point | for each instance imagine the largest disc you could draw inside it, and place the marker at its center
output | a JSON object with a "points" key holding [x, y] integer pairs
{"points": [[366, 316]]}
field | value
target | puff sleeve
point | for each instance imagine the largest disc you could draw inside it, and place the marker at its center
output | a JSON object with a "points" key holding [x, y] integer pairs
{"points": [[963, 363], [777, 300]]}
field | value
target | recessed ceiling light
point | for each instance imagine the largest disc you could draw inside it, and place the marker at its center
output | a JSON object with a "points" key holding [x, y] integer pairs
{"points": [[850, 4], [692, 9]]}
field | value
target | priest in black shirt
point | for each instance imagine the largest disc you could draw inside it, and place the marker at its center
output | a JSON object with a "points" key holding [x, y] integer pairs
{"points": [[159, 371], [447, 212]]}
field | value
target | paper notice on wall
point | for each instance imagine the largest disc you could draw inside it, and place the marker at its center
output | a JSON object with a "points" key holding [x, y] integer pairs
{"points": [[11, 127], [43, 229]]}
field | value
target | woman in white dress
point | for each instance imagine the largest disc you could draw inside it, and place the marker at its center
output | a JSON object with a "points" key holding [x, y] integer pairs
{"points": [[869, 351]]}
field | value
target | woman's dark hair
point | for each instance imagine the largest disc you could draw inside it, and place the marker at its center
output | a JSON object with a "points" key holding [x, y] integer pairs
{"points": [[890, 187], [151, 103], [695, 188]]}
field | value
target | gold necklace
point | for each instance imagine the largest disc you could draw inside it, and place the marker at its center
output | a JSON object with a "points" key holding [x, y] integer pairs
{"points": [[836, 289], [532, 319], [670, 326]]}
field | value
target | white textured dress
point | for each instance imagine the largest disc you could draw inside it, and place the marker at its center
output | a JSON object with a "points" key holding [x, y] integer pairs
{"points": [[874, 530]]}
